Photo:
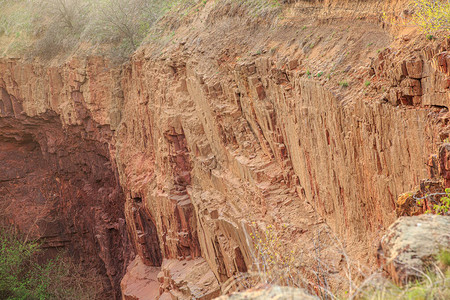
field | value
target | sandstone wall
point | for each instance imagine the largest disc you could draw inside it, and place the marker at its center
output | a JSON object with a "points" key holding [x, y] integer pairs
{"points": [[221, 129]]}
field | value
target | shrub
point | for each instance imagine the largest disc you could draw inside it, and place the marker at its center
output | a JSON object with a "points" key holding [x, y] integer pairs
{"points": [[432, 16], [20, 276], [271, 264], [24, 274], [127, 20], [441, 207], [68, 14], [435, 203]]}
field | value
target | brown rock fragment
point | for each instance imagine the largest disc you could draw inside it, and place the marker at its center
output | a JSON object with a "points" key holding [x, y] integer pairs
{"points": [[293, 64], [411, 87], [260, 91], [444, 163], [414, 68]]}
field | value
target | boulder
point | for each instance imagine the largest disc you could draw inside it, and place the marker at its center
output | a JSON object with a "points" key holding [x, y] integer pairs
{"points": [[410, 245], [188, 279], [140, 282], [271, 292]]}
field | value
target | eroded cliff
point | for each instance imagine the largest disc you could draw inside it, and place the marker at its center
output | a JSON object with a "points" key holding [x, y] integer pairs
{"points": [[234, 122]]}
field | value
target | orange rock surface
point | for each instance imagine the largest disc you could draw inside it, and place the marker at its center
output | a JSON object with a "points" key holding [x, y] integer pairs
{"points": [[193, 144]]}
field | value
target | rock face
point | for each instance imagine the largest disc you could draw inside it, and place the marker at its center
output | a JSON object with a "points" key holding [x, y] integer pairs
{"points": [[410, 244], [59, 187], [182, 152], [57, 180]]}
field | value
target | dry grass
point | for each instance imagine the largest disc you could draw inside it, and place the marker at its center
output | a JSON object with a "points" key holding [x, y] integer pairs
{"points": [[271, 267]]}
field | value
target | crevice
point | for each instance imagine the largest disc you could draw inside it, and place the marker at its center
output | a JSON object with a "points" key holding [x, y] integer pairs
{"points": [[63, 191]]}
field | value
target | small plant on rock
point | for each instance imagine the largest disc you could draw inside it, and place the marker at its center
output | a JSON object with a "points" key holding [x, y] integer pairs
{"points": [[444, 205], [443, 257], [343, 83], [434, 204], [273, 267]]}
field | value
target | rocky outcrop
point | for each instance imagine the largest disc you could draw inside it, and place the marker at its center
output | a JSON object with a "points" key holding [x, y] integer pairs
{"points": [[176, 279], [411, 244], [192, 279], [220, 132], [140, 282]]}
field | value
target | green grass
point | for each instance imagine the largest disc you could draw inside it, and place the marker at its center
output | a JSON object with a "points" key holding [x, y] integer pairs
{"points": [[444, 257], [343, 83]]}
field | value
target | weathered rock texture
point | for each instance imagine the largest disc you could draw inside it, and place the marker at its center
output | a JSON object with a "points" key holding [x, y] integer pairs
{"points": [[140, 281], [234, 122], [271, 292], [410, 245]]}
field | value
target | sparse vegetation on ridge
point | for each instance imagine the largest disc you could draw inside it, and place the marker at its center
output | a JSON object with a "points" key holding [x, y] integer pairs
{"points": [[435, 284], [431, 16], [47, 28], [436, 203]]}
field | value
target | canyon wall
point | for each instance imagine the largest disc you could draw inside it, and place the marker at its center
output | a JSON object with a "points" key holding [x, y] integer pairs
{"points": [[57, 180], [218, 130]]}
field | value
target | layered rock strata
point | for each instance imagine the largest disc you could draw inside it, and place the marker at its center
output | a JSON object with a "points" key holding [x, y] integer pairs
{"points": [[224, 129]]}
